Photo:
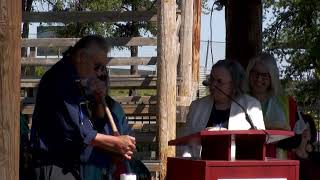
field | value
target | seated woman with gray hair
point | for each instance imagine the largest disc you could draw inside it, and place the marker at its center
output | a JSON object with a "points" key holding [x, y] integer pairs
{"points": [[218, 111], [279, 110]]}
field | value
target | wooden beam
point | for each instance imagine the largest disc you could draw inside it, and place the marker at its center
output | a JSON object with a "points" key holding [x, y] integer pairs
{"points": [[153, 166], [143, 127], [114, 61], [178, 25], [244, 29], [145, 137], [121, 99], [185, 65], [196, 41], [129, 109], [137, 99], [10, 52], [88, 16], [115, 83], [167, 70], [66, 42]]}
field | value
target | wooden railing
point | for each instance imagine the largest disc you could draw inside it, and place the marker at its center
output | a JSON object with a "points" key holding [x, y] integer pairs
{"points": [[66, 42], [116, 82], [89, 16], [139, 110]]}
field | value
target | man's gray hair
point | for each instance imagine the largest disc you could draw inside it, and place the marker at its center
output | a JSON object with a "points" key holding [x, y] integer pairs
{"points": [[89, 42]]}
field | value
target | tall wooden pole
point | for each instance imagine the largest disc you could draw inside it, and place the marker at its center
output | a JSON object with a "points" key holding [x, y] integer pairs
{"points": [[10, 53], [134, 50], [167, 72], [196, 41], [185, 60], [244, 29], [185, 68]]}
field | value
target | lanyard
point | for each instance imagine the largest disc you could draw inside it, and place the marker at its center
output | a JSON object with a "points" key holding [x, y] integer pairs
{"points": [[81, 115]]}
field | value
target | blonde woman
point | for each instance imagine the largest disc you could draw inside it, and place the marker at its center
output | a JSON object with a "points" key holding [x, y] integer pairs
{"points": [[279, 110]]}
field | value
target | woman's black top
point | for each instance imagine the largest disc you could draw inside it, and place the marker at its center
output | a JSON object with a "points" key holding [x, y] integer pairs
{"points": [[218, 118]]}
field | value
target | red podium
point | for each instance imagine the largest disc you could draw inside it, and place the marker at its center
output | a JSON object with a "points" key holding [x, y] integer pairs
{"points": [[232, 155]]}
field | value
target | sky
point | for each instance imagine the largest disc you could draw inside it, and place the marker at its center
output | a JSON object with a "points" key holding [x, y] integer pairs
{"points": [[218, 37]]}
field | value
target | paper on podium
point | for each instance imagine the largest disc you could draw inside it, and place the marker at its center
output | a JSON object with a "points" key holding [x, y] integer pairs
{"points": [[215, 129]]}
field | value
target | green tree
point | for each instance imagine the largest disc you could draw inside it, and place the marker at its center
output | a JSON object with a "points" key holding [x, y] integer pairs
{"points": [[293, 36], [135, 28], [76, 29]]}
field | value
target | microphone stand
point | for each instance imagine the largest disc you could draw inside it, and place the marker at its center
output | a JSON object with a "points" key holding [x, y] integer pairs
{"points": [[248, 118]]}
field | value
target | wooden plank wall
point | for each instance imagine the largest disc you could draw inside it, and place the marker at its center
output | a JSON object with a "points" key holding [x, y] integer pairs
{"points": [[136, 107], [10, 31]]}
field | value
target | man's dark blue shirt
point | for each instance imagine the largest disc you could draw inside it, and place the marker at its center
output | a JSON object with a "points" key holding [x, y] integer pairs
{"points": [[61, 129]]}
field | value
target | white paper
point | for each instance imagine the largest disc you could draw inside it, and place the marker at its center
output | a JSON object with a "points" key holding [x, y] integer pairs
{"points": [[128, 177]]}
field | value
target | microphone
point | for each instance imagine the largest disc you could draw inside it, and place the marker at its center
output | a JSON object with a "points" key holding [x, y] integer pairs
{"points": [[248, 118]]}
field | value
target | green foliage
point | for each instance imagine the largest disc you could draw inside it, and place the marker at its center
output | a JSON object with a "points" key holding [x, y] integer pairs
{"points": [[130, 29], [123, 29], [82, 29], [39, 71], [217, 5], [293, 36]]}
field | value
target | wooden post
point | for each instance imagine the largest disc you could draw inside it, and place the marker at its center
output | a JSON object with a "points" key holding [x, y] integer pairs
{"points": [[167, 70], [244, 29], [10, 53], [133, 69], [185, 60], [134, 30], [185, 68], [196, 42]]}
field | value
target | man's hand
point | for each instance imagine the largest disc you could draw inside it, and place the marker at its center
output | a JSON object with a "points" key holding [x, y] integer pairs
{"points": [[122, 145], [126, 145]]}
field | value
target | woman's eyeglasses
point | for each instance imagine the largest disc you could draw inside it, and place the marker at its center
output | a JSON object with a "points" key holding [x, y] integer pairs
{"points": [[220, 82], [256, 74]]}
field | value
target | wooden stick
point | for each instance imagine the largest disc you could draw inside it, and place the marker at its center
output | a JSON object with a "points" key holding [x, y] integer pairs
{"points": [[111, 120]]}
